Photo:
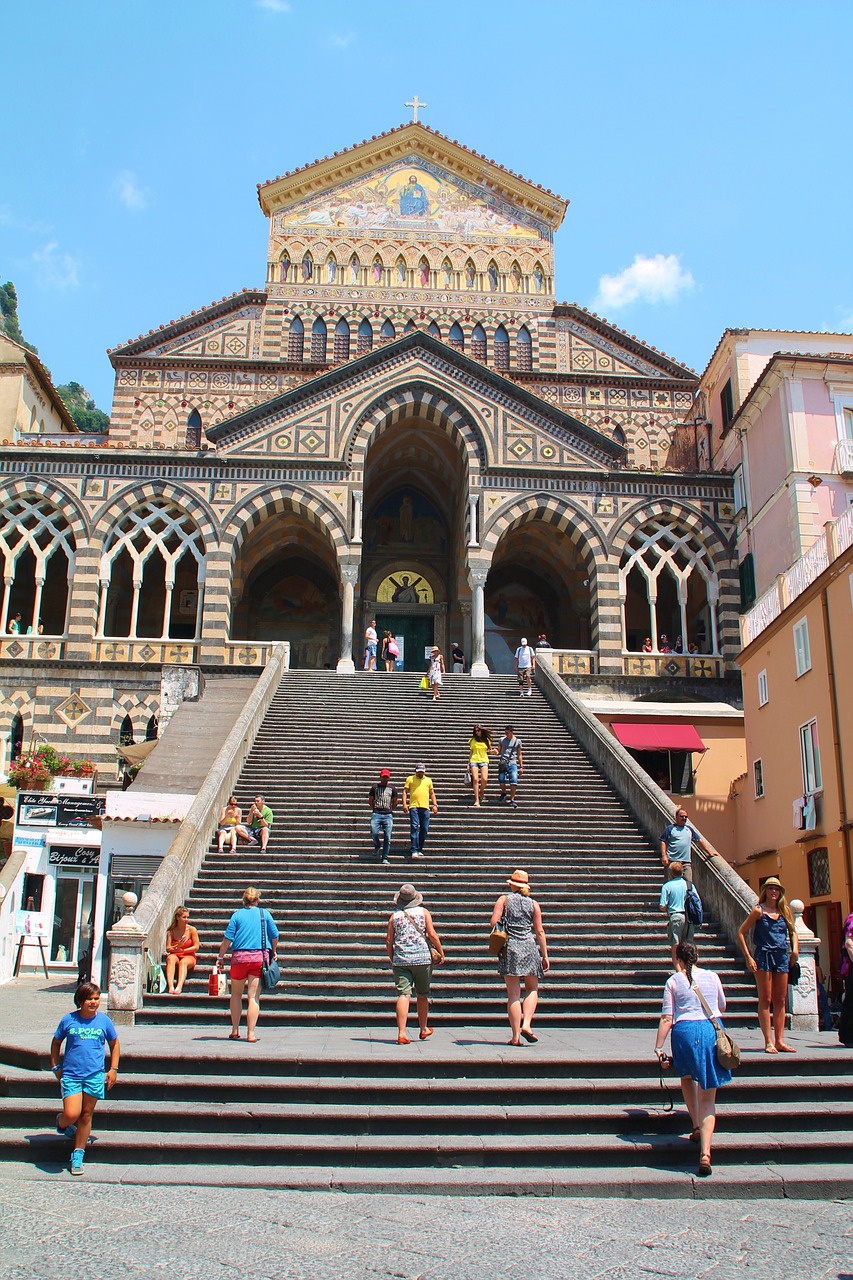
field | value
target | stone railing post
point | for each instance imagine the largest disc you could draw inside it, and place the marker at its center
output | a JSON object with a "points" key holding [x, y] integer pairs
{"points": [[127, 963], [802, 999]]}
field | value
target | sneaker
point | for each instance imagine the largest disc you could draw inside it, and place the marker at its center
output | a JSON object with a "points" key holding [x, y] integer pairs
{"points": [[68, 1132], [501, 798], [514, 804], [76, 1165], [417, 855], [386, 862]]}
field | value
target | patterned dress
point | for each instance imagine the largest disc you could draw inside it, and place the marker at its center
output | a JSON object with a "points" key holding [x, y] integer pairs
{"points": [[520, 957]]}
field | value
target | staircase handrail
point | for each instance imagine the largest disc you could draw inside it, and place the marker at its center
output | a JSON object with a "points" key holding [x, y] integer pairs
{"points": [[724, 893], [174, 877]]}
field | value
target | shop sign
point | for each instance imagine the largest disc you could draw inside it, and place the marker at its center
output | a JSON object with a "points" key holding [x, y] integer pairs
{"points": [[31, 924], [38, 809], [81, 855]]}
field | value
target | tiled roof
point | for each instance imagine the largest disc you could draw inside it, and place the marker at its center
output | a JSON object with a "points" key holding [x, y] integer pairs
{"points": [[805, 333], [411, 124]]}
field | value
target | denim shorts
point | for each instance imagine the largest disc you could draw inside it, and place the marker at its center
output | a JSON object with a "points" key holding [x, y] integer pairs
{"points": [[479, 764], [772, 959], [508, 773], [93, 1085]]}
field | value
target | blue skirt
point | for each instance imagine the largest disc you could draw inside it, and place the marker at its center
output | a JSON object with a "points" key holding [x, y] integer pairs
{"points": [[694, 1053]]}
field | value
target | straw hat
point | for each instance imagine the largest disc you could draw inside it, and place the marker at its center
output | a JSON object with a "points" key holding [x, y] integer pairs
{"points": [[408, 896], [519, 880]]}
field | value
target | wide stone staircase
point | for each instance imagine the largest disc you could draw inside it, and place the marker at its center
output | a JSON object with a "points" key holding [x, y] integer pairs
{"points": [[327, 1098]]}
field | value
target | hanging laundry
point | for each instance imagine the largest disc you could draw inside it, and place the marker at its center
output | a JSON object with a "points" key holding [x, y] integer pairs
{"points": [[809, 814], [799, 805]]}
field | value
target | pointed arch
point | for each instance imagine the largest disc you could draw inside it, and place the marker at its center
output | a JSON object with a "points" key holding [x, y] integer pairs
{"points": [[424, 272], [152, 729], [342, 339], [501, 348], [470, 274], [447, 273], [515, 280], [479, 348], [540, 280], [125, 732], [37, 555], [417, 400], [331, 269], [194, 428], [296, 340], [456, 337], [378, 270], [523, 349], [434, 330], [318, 341], [307, 266], [387, 332], [365, 337], [401, 271], [16, 737], [354, 269], [493, 276]]}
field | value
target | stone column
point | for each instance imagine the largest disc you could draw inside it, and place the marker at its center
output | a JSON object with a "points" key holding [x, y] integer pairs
{"points": [[465, 610], [127, 964], [802, 999], [477, 579], [349, 577]]}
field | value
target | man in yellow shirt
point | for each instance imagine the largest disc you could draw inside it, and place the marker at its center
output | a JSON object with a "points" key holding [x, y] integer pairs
{"points": [[418, 800]]}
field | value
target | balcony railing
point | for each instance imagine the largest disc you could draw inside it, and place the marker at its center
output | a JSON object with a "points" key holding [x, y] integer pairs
{"points": [[43, 648], [844, 457], [675, 666], [833, 542]]}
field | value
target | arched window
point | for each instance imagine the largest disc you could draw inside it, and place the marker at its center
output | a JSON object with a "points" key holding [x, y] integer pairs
{"points": [[365, 337], [669, 590], [619, 436], [354, 270], [423, 273], [388, 331], [478, 343], [378, 270], [152, 574], [37, 559], [125, 732], [152, 730], [501, 348], [457, 337], [447, 273], [434, 330], [307, 267], [16, 737], [331, 268], [342, 340], [410, 326], [194, 430], [318, 340], [400, 270], [524, 349], [296, 339], [493, 277], [470, 275]]}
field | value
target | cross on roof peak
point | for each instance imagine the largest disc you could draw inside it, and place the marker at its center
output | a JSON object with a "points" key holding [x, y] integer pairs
{"points": [[416, 105]]}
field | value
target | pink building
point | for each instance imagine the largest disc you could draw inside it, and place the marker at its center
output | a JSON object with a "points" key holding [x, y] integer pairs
{"points": [[779, 408]]}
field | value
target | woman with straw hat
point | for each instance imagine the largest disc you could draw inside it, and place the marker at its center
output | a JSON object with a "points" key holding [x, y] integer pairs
{"points": [[525, 955], [775, 949], [413, 947]]}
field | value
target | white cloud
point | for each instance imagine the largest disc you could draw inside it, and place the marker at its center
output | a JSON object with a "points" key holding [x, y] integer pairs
{"points": [[128, 191], [846, 323], [274, 6], [55, 269], [657, 279], [341, 39]]}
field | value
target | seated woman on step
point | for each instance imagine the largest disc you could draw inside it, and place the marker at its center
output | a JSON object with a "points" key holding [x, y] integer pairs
{"points": [[524, 956], [694, 1043], [182, 946], [229, 820]]}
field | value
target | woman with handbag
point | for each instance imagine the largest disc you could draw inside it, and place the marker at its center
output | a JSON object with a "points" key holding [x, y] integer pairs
{"points": [[479, 749], [436, 672], [524, 955], [694, 1043], [776, 950], [182, 946], [413, 948], [251, 936]]}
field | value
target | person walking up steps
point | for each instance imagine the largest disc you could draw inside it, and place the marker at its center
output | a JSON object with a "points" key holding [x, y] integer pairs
{"points": [[524, 958], [510, 765], [408, 940], [418, 800], [382, 799], [525, 666], [86, 1032]]}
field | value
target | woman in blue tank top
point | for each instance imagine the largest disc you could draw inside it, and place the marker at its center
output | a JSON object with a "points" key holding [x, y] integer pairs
{"points": [[775, 949]]}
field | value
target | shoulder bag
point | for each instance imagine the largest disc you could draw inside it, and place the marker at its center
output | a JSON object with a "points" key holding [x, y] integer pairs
{"points": [[270, 972], [434, 953], [728, 1050], [498, 936]]}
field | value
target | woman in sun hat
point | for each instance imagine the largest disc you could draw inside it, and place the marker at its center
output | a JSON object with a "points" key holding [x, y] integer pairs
{"points": [[410, 940], [525, 955], [775, 949], [435, 672]]}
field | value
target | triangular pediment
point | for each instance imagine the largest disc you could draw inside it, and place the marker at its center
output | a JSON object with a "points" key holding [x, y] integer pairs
{"points": [[590, 345], [315, 423], [228, 329]]}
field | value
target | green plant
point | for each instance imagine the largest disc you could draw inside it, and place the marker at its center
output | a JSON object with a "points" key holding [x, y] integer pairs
{"points": [[29, 774]]}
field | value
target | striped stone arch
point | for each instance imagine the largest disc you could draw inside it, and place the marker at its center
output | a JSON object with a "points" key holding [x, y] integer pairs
{"points": [[550, 509], [416, 400], [139, 709], [134, 496], [14, 704], [665, 509], [65, 502], [265, 504]]}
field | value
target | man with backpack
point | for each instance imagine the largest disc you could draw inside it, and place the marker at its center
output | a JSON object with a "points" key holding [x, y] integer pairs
{"points": [[510, 765]]}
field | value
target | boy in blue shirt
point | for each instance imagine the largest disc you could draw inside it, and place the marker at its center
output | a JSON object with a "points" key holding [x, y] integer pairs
{"points": [[81, 1073]]}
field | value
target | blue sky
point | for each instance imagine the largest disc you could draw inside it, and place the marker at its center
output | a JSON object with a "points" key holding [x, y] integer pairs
{"points": [[705, 149]]}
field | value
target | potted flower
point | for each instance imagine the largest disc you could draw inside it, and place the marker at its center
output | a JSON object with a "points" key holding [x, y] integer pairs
{"points": [[30, 774]]}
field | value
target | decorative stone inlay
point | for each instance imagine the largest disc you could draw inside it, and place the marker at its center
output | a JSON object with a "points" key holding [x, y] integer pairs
{"points": [[46, 650], [248, 657], [146, 653], [73, 710], [114, 652]]}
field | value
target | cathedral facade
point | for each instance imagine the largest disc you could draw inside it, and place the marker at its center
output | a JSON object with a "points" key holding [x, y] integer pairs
{"points": [[402, 425]]}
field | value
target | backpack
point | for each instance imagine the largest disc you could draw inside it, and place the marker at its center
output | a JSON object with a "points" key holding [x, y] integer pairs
{"points": [[693, 907]]}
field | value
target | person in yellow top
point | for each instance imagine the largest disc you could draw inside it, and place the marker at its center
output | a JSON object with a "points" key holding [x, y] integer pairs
{"points": [[418, 800], [479, 748]]}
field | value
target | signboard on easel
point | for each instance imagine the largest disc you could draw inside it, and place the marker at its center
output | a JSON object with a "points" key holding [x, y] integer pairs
{"points": [[30, 927]]}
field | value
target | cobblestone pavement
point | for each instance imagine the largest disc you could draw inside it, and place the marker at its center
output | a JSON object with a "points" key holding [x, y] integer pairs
{"points": [[201, 1233]]}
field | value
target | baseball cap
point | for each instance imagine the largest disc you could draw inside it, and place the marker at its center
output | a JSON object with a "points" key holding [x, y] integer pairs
{"points": [[420, 768], [385, 773]]}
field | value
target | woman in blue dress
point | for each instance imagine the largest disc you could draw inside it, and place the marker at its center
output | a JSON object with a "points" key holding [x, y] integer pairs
{"points": [[775, 950], [694, 1044]]}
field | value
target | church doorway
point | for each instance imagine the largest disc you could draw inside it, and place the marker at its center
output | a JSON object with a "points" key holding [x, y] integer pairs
{"points": [[286, 587], [538, 585], [413, 633]]}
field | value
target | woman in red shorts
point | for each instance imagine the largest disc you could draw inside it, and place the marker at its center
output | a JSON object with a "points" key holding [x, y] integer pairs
{"points": [[250, 932]]}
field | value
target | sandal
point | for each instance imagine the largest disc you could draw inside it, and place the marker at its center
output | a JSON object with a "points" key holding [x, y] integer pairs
{"points": [[704, 1170], [403, 1040], [694, 1134], [529, 1036], [235, 1035]]}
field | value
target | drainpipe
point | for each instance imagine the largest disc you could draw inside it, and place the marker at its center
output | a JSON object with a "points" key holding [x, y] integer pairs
{"points": [[836, 746]]}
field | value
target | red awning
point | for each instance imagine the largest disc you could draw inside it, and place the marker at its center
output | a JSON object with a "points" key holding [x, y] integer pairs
{"points": [[658, 737]]}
